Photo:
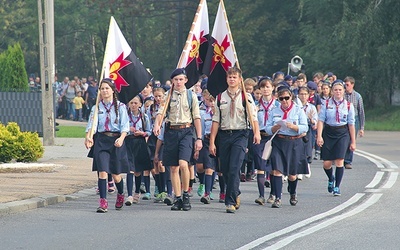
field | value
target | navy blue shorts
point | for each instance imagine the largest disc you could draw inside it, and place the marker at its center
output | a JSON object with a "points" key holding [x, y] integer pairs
{"points": [[204, 156], [178, 145]]}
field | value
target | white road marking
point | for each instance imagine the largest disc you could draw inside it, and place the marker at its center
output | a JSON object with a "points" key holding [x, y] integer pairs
{"points": [[378, 177], [391, 180]]}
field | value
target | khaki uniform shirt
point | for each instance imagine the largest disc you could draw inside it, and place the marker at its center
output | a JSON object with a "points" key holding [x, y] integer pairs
{"points": [[238, 121], [179, 112]]}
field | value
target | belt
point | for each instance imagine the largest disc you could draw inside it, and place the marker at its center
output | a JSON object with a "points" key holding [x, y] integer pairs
{"points": [[187, 125], [111, 134], [336, 127], [231, 131], [263, 133], [288, 137]]}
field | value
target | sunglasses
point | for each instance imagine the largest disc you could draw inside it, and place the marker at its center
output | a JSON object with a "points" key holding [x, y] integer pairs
{"points": [[284, 98]]}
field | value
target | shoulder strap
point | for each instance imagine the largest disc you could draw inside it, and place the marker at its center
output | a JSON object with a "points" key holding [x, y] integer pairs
{"points": [[190, 98], [218, 100]]}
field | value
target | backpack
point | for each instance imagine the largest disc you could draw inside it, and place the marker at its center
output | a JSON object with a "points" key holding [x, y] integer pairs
{"points": [[189, 99]]}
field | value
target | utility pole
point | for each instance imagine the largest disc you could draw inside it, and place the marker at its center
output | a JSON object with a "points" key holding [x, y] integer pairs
{"points": [[47, 67]]}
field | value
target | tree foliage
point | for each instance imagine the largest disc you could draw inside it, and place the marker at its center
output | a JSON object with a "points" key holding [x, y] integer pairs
{"points": [[13, 73], [348, 37]]}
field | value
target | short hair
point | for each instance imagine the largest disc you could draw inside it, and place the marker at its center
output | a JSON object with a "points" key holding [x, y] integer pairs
{"points": [[249, 81], [234, 70], [302, 76], [319, 75], [264, 81], [349, 79]]}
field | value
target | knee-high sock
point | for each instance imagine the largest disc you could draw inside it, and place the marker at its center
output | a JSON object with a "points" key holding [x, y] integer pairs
{"points": [[221, 180], [278, 186], [120, 186], [339, 175], [129, 183], [272, 185], [102, 184], [146, 180], [138, 181], [208, 185], [260, 184], [292, 186], [161, 187], [157, 180], [201, 177]]}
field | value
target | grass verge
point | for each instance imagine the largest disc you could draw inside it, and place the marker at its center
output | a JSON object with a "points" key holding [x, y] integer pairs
{"points": [[71, 132], [383, 119]]}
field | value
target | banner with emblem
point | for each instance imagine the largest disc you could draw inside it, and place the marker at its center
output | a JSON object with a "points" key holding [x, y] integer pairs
{"points": [[123, 66], [221, 53], [195, 49]]}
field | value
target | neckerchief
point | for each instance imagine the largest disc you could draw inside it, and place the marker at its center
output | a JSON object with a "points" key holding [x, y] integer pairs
{"points": [[337, 109], [286, 111], [108, 117], [266, 108]]}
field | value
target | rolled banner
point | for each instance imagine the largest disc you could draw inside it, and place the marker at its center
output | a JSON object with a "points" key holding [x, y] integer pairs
{"points": [[268, 147]]}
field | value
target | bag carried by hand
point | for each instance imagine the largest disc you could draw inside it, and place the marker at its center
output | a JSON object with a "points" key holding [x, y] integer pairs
{"points": [[268, 147]]}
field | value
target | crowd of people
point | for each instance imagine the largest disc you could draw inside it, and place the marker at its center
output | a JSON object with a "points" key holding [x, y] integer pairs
{"points": [[178, 134]]}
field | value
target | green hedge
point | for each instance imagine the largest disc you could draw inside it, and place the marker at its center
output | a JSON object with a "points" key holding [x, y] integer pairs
{"points": [[19, 146]]}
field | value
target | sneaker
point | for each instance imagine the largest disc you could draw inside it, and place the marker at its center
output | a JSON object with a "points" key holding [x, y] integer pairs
{"points": [[160, 197], [316, 156], [190, 192], [200, 190], [111, 187], [260, 201], [336, 191], [177, 205], [267, 184], [120, 201], [211, 196], [237, 206], [242, 177], [277, 203], [205, 199], [146, 197], [168, 200], [136, 198], [293, 199], [300, 177], [221, 198], [330, 185], [230, 209], [348, 166], [186, 202], [284, 178], [156, 192], [271, 198], [142, 188], [103, 206], [129, 201]]}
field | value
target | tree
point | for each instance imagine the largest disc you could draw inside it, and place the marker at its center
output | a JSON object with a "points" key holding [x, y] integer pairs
{"points": [[13, 74]]}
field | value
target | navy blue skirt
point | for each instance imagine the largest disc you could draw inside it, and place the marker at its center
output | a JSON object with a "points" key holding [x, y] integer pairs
{"points": [[258, 149], [288, 156], [138, 154], [204, 156], [107, 157], [336, 142]]}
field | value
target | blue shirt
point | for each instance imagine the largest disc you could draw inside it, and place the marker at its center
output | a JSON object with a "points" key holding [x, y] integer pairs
{"points": [[137, 123], [310, 109], [122, 124], [296, 116], [206, 120], [327, 113], [261, 117]]}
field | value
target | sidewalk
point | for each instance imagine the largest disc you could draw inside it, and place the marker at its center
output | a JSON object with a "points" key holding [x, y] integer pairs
{"points": [[70, 174], [63, 170]]}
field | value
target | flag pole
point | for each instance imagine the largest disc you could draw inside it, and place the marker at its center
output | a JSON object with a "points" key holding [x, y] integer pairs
{"points": [[184, 53], [249, 110], [96, 109]]}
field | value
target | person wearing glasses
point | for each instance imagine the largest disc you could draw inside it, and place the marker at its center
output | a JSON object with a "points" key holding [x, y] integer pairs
{"points": [[287, 156], [335, 134]]}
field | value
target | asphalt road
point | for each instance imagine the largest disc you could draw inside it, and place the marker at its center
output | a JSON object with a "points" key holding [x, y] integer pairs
{"points": [[364, 217]]}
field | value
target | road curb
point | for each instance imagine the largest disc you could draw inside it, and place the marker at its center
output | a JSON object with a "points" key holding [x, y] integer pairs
{"points": [[42, 201]]}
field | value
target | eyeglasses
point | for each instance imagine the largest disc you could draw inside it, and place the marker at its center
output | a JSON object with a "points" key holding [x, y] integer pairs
{"points": [[284, 98]]}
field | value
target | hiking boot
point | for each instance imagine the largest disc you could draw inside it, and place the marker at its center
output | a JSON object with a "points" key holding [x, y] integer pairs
{"points": [[177, 205], [120, 201], [111, 187], [277, 203], [168, 200], [230, 209], [103, 206], [221, 198], [293, 199], [200, 190], [260, 200], [186, 203], [129, 201], [271, 198], [206, 199], [348, 166]]}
